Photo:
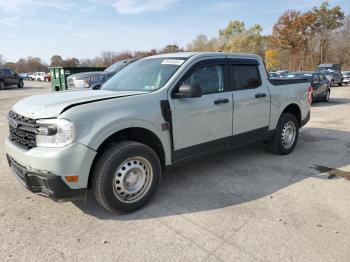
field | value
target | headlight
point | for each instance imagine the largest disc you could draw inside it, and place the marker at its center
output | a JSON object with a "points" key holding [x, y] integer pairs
{"points": [[81, 83], [54, 133]]}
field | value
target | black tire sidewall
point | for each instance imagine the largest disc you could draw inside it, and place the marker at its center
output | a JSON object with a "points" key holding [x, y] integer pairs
{"points": [[108, 168], [279, 148], [20, 84], [2, 85]]}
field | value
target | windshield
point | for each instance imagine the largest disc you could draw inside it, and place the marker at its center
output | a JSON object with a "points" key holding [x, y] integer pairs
{"points": [[346, 73], [273, 75], [144, 75], [327, 72], [117, 66]]}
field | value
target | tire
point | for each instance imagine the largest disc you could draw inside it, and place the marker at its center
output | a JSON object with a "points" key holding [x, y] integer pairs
{"points": [[39, 80], [327, 96], [2, 85], [126, 176], [332, 83], [20, 84], [341, 83], [278, 144]]}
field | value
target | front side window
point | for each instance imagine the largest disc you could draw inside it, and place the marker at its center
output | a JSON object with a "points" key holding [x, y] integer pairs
{"points": [[7, 72], [144, 75], [209, 78], [246, 76]]}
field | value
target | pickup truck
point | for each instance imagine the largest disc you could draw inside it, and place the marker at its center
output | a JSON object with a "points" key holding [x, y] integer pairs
{"points": [[155, 113], [8, 77]]}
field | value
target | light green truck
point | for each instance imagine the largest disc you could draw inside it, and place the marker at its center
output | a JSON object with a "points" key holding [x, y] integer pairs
{"points": [[153, 114]]}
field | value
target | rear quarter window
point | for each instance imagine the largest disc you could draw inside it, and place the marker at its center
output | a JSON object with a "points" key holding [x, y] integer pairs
{"points": [[245, 76]]}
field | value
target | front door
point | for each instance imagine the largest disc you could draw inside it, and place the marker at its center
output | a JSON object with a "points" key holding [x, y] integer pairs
{"points": [[203, 124]]}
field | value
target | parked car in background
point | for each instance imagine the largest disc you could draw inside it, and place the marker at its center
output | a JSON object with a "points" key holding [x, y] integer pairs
{"points": [[319, 83], [94, 80], [25, 76], [334, 77], [8, 77], [278, 74], [334, 67], [47, 77], [346, 77], [38, 76], [157, 112]]}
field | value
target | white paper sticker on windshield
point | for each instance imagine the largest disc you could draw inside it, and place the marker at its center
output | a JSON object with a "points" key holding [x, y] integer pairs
{"points": [[173, 62]]}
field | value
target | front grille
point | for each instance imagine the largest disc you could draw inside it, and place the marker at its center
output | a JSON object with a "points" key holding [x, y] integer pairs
{"points": [[22, 130]]}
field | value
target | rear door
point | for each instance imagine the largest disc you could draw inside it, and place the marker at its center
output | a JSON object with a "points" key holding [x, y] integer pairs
{"points": [[251, 96], [323, 83], [316, 85], [203, 124]]}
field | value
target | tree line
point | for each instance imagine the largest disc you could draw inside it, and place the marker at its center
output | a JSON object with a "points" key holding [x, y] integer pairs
{"points": [[299, 41]]}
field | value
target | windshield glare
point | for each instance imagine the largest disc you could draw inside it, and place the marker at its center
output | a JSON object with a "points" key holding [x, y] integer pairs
{"points": [[115, 66], [144, 75]]}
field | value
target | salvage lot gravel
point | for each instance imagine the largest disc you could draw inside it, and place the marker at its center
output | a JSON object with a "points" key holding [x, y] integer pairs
{"points": [[241, 205]]}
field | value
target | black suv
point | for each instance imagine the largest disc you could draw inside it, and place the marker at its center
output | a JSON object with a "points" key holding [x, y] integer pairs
{"points": [[8, 77]]}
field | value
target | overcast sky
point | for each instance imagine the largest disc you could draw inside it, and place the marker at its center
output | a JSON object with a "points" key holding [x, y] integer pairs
{"points": [[85, 28]]}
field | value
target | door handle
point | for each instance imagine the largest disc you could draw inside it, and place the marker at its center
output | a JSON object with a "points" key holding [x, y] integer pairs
{"points": [[221, 101], [259, 95]]}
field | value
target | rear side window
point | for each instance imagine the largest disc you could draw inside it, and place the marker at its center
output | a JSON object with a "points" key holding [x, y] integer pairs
{"points": [[245, 76], [316, 78]]}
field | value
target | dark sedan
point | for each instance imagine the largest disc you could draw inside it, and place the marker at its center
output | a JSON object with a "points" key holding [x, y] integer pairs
{"points": [[319, 83], [94, 80]]}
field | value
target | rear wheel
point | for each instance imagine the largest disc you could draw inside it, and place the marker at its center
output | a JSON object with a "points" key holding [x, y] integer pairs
{"points": [[341, 82], [332, 83], [126, 176], [38, 79], [286, 135]]}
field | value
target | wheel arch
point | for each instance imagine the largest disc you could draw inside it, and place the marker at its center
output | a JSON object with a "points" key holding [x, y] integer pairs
{"points": [[293, 109], [137, 134]]}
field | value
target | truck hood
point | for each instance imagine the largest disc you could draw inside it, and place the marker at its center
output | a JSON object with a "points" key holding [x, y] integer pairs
{"points": [[51, 105]]}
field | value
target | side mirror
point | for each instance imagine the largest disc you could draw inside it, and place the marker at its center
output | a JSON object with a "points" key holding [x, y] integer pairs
{"points": [[189, 91]]}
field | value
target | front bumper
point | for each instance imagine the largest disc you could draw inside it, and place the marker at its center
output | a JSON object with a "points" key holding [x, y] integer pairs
{"points": [[73, 160], [48, 184]]}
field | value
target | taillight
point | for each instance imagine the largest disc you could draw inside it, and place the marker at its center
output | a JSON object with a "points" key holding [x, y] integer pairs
{"points": [[309, 95]]}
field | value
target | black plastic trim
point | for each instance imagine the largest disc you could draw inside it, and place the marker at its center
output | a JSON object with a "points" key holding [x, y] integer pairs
{"points": [[304, 122], [243, 61], [259, 134], [280, 82], [48, 184]]}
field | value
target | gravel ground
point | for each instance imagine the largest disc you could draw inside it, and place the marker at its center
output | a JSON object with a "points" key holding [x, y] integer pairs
{"points": [[241, 205]]}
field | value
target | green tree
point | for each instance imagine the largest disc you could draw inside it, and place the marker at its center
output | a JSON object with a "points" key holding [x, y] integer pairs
{"points": [[326, 20]]}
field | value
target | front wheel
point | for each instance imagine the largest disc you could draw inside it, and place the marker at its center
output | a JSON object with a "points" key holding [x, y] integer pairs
{"points": [[286, 135], [327, 96], [20, 84], [126, 176]]}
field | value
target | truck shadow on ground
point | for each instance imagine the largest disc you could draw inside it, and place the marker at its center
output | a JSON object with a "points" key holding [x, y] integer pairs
{"points": [[237, 176], [332, 102]]}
